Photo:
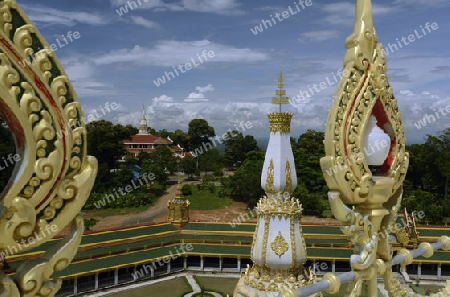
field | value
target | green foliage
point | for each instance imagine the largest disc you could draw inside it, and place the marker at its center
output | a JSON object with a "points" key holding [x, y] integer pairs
{"points": [[236, 148], [199, 132], [105, 140], [307, 154], [218, 172], [205, 200], [245, 184], [186, 190], [89, 223], [210, 160], [161, 162], [429, 203], [189, 165], [182, 138], [314, 204]]}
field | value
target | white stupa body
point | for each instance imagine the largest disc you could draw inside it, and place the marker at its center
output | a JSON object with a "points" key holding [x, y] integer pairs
{"points": [[278, 249]]}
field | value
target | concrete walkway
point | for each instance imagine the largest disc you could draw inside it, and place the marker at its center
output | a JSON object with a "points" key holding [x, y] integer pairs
{"points": [[196, 287]]}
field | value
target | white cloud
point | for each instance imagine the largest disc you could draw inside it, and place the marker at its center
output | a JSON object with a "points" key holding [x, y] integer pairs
{"points": [[344, 13], [82, 75], [208, 88], [421, 3], [200, 96], [271, 8], [320, 35], [138, 20], [162, 98], [213, 6], [52, 16], [171, 53], [224, 7]]}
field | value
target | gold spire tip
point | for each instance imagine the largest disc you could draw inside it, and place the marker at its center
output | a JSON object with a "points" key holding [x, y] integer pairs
{"points": [[280, 93]]}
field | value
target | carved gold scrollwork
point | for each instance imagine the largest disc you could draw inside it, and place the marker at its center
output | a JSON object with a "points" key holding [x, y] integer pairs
{"points": [[270, 180], [56, 175]]}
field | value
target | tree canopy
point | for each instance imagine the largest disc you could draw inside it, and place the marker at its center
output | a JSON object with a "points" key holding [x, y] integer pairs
{"points": [[105, 140], [199, 132]]}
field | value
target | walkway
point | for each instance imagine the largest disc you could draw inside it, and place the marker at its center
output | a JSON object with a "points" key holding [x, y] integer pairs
{"points": [[196, 287]]}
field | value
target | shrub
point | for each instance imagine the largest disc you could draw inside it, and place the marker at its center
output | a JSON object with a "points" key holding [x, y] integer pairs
{"points": [[186, 190]]}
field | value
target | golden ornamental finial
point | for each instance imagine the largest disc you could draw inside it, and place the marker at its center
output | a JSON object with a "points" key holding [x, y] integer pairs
{"points": [[280, 97], [361, 44], [179, 193]]}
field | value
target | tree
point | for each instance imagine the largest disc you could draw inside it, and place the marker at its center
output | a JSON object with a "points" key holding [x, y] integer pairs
{"points": [[182, 138], [307, 156], [245, 184], [440, 147], [188, 164], [164, 157], [158, 170], [237, 146], [210, 160], [199, 132], [159, 162], [105, 140]]}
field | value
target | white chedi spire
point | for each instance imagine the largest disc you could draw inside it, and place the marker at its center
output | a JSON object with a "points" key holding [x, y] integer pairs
{"points": [[278, 174], [143, 126], [278, 250]]}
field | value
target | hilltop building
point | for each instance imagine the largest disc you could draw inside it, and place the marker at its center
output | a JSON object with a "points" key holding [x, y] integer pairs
{"points": [[144, 142]]}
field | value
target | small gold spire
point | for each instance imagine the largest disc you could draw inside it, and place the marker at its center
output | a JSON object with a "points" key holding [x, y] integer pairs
{"points": [[280, 93], [179, 193]]}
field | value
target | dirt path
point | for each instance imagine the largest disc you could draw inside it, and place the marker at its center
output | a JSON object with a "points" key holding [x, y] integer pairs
{"points": [[159, 213], [155, 213]]}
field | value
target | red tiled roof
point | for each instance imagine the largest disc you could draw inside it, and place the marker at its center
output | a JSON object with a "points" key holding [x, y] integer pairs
{"points": [[140, 150], [149, 139]]}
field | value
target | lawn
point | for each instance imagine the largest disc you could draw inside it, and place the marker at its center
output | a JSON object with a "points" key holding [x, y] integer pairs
{"points": [[346, 289], [170, 288], [218, 284], [426, 289], [106, 212], [205, 200]]}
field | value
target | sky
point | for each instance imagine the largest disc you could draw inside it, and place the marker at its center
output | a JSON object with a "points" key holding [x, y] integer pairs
{"points": [[123, 47]]}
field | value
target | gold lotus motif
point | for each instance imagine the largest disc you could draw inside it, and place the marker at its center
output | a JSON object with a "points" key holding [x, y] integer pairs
{"points": [[279, 245]]}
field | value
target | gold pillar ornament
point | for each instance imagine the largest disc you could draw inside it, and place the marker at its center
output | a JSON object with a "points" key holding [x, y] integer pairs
{"points": [[364, 97], [178, 208], [54, 176]]}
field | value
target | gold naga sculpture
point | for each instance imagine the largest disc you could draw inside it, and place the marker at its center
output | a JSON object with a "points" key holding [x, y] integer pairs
{"points": [[365, 105], [54, 176]]}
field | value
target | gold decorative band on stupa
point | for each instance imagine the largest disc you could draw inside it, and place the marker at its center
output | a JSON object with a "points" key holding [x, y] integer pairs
{"points": [[279, 207], [280, 121]]}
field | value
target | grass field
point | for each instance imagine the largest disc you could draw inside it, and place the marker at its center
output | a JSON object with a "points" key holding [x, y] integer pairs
{"points": [[426, 289], [345, 291], [106, 212], [205, 200], [170, 288], [218, 284]]}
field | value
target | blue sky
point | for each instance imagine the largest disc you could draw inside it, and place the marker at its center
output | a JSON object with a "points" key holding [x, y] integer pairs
{"points": [[118, 58]]}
